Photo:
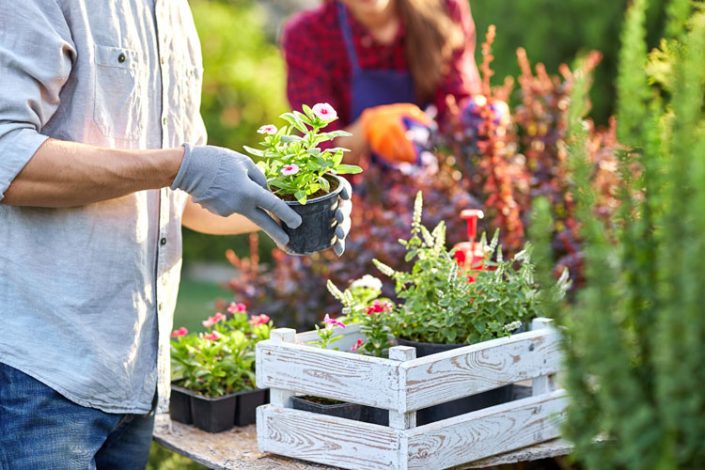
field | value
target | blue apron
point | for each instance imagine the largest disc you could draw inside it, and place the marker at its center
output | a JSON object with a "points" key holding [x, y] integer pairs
{"points": [[370, 88]]}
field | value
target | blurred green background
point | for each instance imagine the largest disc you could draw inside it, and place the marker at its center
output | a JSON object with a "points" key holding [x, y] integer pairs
{"points": [[244, 87]]}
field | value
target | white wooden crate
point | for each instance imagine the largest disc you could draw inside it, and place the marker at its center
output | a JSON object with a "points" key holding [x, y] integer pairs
{"points": [[403, 384]]}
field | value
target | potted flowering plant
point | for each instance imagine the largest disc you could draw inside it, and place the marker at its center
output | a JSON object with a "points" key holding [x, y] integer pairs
{"points": [[446, 305], [214, 372], [305, 175], [363, 305], [327, 337]]}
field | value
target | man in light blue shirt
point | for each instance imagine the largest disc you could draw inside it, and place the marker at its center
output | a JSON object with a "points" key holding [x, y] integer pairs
{"points": [[102, 158]]}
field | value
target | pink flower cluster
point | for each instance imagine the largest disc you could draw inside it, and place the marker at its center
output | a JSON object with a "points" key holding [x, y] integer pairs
{"points": [[333, 322], [237, 308], [212, 336], [179, 332], [380, 307], [218, 317], [261, 319]]}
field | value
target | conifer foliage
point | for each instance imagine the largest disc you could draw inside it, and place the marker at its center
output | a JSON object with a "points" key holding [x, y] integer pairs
{"points": [[634, 341]]}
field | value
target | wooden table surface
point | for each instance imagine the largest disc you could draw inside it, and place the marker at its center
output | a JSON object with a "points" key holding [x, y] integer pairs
{"points": [[237, 449]]}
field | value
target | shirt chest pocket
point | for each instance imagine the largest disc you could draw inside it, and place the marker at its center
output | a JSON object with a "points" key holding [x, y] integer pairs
{"points": [[119, 109]]}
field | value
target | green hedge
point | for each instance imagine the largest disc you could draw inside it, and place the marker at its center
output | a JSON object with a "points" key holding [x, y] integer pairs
{"points": [[557, 31]]}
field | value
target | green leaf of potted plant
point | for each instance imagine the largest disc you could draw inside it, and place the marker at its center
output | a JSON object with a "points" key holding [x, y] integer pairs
{"points": [[305, 175], [214, 372]]}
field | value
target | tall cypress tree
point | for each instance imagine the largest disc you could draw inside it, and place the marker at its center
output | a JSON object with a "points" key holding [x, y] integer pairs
{"points": [[634, 340]]}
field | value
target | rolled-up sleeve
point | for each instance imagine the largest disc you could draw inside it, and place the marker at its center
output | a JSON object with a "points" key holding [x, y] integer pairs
{"points": [[36, 57]]}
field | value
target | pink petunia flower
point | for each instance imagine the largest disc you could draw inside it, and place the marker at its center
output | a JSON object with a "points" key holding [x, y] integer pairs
{"points": [[268, 129], [333, 322], [261, 319], [357, 345], [289, 170], [180, 332], [237, 308], [213, 336], [325, 112], [213, 320]]}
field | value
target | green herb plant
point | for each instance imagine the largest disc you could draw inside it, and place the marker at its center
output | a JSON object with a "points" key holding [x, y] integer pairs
{"points": [[291, 158], [445, 304], [363, 304]]}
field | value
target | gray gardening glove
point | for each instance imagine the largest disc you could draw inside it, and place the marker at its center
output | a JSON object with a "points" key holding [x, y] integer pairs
{"points": [[227, 182], [342, 215]]}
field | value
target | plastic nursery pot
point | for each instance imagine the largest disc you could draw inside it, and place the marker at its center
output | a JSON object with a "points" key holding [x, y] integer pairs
{"points": [[462, 405], [341, 410], [372, 415], [247, 403], [317, 231], [180, 404], [213, 414]]}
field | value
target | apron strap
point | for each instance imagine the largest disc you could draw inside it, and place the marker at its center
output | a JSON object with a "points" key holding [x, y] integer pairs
{"points": [[347, 37]]}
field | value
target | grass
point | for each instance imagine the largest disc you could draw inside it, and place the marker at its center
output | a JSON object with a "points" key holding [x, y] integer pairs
{"points": [[196, 302]]}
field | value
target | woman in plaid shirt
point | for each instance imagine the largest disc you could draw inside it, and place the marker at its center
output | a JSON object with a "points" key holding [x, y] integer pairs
{"points": [[377, 62]]}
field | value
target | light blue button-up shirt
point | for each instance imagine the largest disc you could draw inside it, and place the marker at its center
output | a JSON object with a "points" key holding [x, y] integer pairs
{"points": [[87, 294]]}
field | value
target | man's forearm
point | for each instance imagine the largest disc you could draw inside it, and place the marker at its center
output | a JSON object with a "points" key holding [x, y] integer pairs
{"points": [[202, 220], [69, 174]]}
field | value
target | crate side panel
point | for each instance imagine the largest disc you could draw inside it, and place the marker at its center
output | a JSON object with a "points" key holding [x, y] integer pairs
{"points": [[474, 369], [327, 440], [331, 374], [488, 432]]}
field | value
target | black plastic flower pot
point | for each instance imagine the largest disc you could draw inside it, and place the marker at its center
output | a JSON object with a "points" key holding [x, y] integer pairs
{"points": [[370, 414], [341, 410], [247, 403], [463, 405], [213, 414], [180, 404], [317, 231]]}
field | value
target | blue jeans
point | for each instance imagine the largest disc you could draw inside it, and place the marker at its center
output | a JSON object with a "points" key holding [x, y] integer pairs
{"points": [[40, 429]]}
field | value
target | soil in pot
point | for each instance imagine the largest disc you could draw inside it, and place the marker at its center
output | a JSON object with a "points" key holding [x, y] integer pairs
{"points": [[247, 403], [180, 404], [463, 405], [327, 407], [213, 414], [317, 231]]}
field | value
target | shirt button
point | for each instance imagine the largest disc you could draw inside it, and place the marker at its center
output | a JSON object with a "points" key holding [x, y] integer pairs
{"points": [[162, 60], [162, 242], [165, 120], [122, 58]]}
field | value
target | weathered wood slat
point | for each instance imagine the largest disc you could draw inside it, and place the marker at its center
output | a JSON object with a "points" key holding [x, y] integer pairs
{"points": [[349, 334], [486, 432], [473, 369], [327, 440], [331, 374]]}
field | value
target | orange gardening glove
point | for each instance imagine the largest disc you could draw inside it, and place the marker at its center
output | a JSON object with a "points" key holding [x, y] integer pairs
{"points": [[385, 130]]}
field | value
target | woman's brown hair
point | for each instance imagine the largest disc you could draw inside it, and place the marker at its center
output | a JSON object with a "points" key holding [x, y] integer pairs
{"points": [[431, 39]]}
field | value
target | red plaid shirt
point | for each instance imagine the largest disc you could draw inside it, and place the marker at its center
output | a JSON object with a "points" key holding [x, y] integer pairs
{"points": [[319, 69]]}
